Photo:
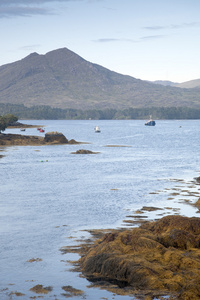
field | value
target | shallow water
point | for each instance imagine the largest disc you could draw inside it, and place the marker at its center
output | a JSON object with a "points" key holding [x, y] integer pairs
{"points": [[50, 197]]}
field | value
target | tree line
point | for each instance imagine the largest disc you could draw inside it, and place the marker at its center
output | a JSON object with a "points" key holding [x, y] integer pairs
{"points": [[7, 120], [44, 112]]}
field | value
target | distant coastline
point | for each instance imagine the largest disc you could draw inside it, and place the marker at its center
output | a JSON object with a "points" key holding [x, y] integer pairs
{"points": [[129, 113], [22, 125]]}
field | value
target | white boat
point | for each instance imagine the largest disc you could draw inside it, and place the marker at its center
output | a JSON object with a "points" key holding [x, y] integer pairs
{"points": [[22, 129], [97, 129]]}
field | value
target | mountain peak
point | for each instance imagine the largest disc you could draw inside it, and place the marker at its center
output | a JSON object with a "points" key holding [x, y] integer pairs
{"points": [[62, 53], [61, 78], [34, 54]]}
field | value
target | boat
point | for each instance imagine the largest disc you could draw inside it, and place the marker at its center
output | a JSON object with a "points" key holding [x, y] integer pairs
{"points": [[41, 130], [150, 122], [97, 129], [22, 129]]}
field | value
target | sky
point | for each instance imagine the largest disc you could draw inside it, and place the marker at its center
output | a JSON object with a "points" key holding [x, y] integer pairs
{"points": [[146, 39]]}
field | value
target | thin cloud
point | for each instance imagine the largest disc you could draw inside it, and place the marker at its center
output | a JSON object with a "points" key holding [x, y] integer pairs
{"points": [[111, 40], [185, 25], [108, 40], [152, 37], [24, 8], [174, 26], [22, 11], [30, 47], [28, 2], [155, 27]]}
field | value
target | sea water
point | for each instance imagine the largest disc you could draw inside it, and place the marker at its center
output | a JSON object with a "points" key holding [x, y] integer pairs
{"points": [[50, 198]]}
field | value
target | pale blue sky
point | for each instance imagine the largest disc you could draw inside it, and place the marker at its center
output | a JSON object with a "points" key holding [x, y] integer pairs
{"points": [[146, 39]]}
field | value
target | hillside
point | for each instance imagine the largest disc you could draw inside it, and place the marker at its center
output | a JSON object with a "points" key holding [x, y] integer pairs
{"points": [[184, 85], [165, 83], [63, 79], [189, 84]]}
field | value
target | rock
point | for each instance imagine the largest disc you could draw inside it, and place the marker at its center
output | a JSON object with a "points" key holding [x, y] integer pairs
{"points": [[197, 203], [158, 258], [72, 291], [50, 138], [166, 224], [39, 289], [198, 179], [83, 151], [55, 138], [20, 140], [73, 142], [151, 208], [34, 260]]}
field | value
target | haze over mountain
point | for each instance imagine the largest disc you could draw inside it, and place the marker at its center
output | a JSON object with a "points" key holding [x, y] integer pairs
{"points": [[185, 85], [189, 84], [165, 82], [63, 79]]}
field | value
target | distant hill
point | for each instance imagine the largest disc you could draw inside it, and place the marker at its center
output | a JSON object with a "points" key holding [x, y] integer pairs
{"points": [[166, 83], [186, 85], [189, 84], [63, 79]]}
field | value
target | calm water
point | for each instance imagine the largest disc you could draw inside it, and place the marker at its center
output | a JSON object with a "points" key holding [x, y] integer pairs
{"points": [[48, 196]]}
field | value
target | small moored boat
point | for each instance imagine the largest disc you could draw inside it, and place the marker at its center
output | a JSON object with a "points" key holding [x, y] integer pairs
{"points": [[22, 129], [97, 129], [150, 122]]}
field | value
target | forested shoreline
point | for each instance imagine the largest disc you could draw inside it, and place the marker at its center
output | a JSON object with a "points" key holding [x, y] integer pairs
{"points": [[48, 113]]}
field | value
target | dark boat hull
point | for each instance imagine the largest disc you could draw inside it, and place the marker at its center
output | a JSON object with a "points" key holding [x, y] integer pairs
{"points": [[150, 123]]}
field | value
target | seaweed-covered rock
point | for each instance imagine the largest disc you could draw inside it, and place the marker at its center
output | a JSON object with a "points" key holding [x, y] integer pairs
{"points": [[50, 138], [198, 179], [55, 137], [20, 140], [197, 203], [158, 257], [166, 224], [39, 289], [73, 142], [83, 151]]}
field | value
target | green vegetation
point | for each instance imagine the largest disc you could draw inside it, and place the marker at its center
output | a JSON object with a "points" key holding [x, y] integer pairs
{"points": [[48, 113], [7, 120]]}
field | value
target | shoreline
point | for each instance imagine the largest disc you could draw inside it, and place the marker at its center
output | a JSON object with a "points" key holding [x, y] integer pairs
{"points": [[22, 125], [50, 138], [106, 257]]}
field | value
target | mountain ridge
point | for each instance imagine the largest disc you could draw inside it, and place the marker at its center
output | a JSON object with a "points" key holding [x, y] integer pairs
{"points": [[63, 79], [195, 83]]}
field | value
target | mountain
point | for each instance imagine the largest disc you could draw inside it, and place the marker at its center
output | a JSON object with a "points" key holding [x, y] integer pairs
{"points": [[189, 84], [63, 79], [165, 82], [185, 85]]}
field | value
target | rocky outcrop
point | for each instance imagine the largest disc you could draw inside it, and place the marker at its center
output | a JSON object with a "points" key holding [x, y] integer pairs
{"points": [[55, 137], [197, 203], [51, 138], [198, 179], [83, 151], [158, 258], [21, 125]]}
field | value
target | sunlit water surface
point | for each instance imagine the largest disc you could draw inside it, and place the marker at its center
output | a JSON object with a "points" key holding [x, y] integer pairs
{"points": [[49, 197]]}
